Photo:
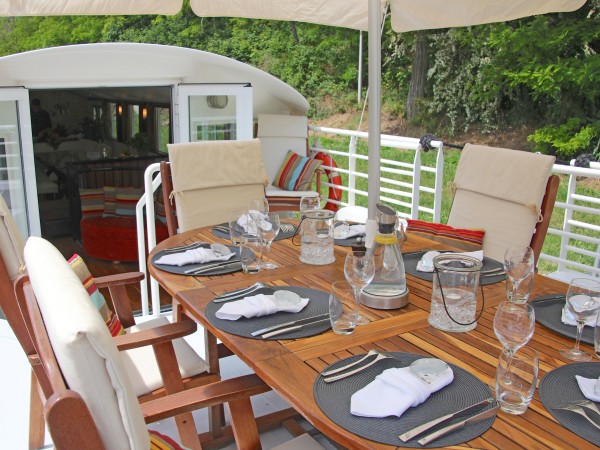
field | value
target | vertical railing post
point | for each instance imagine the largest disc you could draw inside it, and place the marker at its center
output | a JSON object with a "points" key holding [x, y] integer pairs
{"points": [[352, 168], [439, 184], [564, 240], [416, 186]]}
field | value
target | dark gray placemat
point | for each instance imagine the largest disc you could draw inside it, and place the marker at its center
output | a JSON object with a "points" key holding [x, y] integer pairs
{"points": [[334, 400], [180, 270], [548, 313], [559, 387], [318, 304], [411, 259], [280, 236]]}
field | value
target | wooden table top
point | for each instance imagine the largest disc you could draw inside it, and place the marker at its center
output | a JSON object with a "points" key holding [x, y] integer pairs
{"points": [[292, 366]]}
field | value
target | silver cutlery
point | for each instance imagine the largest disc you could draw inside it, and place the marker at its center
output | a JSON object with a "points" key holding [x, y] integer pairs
{"points": [[379, 357], [221, 228], [497, 274], [286, 227], [578, 409], [410, 434], [233, 295], [221, 265], [457, 426], [590, 405], [347, 366], [549, 300], [185, 247], [288, 324], [497, 269], [294, 328]]}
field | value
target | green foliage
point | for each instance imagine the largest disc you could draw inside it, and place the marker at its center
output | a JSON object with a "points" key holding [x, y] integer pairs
{"points": [[569, 139]]}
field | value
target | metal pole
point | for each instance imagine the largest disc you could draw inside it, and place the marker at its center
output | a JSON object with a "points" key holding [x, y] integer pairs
{"points": [[374, 104], [360, 50]]}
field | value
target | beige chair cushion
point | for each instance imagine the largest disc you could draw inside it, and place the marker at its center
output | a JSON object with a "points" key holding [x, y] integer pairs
{"points": [[141, 366], [85, 351], [213, 178], [11, 242], [500, 191]]}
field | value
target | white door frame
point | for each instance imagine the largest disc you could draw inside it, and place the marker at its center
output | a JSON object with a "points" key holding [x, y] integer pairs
{"points": [[244, 110], [21, 96]]}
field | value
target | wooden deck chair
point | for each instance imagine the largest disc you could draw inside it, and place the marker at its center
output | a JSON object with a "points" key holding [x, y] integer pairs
{"points": [[89, 398], [509, 194], [140, 363], [279, 134], [206, 181]]}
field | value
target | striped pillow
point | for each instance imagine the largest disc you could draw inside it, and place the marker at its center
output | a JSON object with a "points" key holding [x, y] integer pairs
{"points": [[296, 172], [92, 202], [126, 199], [462, 238], [86, 278], [110, 201], [159, 441]]}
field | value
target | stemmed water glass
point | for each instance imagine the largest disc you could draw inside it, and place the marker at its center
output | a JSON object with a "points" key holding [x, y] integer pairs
{"points": [[514, 325], [260, 205], [583, 302], [359, 270], [268, 228], [520, 270]]}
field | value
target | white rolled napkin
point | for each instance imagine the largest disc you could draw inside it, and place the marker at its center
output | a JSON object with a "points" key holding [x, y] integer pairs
{"points": [[194, 256], [256, 306], [586, 385], [246, 223], [425, 264], [393, 391], [353, 230], [568, 319]]}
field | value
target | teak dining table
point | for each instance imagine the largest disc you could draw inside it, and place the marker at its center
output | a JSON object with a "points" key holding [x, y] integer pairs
{"points": [[290, 367]]}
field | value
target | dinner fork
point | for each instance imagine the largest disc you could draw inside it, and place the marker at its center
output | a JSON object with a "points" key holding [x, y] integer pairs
{"points": [[578, 409], [380, 357], [181, 248], [347, 366]]}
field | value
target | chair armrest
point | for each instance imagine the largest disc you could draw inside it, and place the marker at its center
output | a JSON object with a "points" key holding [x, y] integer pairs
{"points": [[156, 335], [119, 279], [211, 394]]}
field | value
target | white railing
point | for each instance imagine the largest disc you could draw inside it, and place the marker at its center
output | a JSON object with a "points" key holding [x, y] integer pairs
{"points": [[401, 182], [576, 234]]}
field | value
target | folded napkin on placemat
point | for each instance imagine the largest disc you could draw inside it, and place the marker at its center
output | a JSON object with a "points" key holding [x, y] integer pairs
{"points": [[256, 306], [353, 231], [568, 319], [425, 264], [394, 391], [195, 256], [246, 223], [587, 387]]}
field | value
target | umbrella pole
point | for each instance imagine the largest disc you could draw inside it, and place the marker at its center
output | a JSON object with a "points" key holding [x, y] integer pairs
{"points": [[374, 105]]}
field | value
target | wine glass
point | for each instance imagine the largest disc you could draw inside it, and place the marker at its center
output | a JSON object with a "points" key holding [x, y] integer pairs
{"points": [[359, 270], [259, 205], [519, 268], [268, 228], [583, 301], [235, 229], [514, 325], [309, 202]]}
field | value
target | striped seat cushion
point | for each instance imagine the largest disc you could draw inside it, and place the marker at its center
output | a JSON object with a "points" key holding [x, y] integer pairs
{"points": [[92, 202], [462, 238], [112, 322], [296, 172], [126, 200]]}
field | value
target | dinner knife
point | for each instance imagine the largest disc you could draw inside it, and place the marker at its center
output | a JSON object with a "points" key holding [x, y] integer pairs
{"points": [[294, 328], [456, 426], [222, 265], [288, 324], [240, 293], [410, 434]]}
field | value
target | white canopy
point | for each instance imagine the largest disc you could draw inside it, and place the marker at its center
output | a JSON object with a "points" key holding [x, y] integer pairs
{"points": [[407, 15], [88, 7]]}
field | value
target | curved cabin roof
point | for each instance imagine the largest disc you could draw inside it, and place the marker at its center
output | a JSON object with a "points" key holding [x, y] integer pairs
{"points": [[132, 64]]}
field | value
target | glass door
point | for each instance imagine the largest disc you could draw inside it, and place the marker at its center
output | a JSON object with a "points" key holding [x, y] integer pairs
{"points": [[214, 112], [17, 169]]}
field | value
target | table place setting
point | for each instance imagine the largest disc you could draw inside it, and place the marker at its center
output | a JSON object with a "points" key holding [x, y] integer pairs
{"points": [[347, 235], [286, 231], [203, 259], [568, 393], [405, 400], [262, 312], [420, 264]]}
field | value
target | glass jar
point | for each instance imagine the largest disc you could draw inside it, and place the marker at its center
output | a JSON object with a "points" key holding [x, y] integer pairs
{"points": [[316, 230], [454, 296]]}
